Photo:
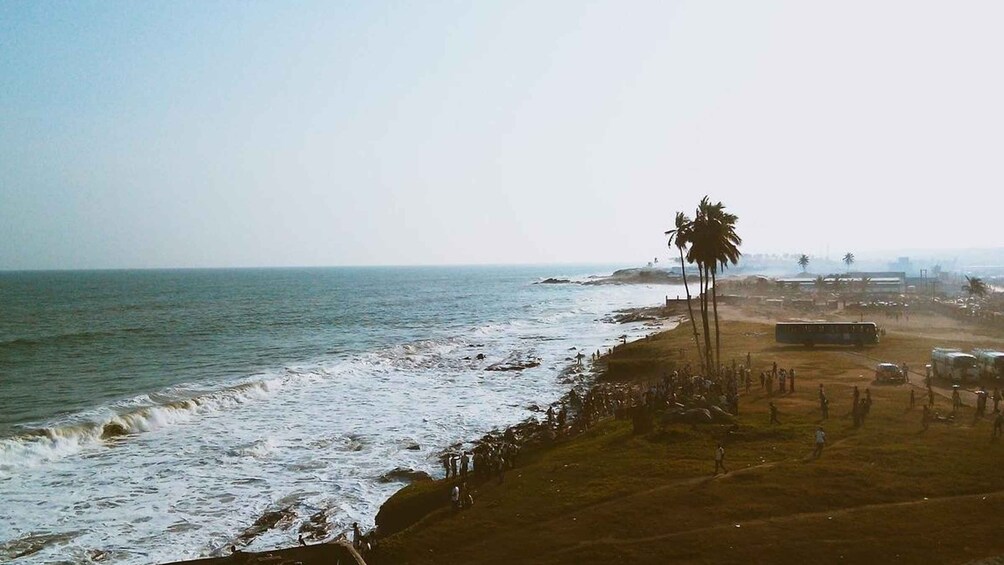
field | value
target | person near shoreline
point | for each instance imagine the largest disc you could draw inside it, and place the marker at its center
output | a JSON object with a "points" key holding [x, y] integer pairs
{"points": [[357, 536], [820, 442], [720, 459], [455, 497]]}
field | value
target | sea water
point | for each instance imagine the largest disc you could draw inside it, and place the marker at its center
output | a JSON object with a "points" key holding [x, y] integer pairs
{"points": [[149, 416]]}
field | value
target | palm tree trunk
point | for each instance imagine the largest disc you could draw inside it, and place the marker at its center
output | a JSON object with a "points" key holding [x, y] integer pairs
{"points": [[718, 337], [690, 309], [704, 317]]}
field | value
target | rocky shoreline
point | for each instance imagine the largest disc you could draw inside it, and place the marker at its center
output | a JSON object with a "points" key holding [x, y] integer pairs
{"points": [[531, 433]]}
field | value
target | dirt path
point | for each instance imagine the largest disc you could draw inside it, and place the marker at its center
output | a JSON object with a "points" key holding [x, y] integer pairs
{"points": [[610, 540]]}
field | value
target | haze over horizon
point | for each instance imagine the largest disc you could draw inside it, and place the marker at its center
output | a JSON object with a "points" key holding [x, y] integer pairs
{"points": [[191, 134]]}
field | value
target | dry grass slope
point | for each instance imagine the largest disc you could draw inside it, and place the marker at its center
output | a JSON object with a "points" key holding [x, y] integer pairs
{"points": [[885, 492]]}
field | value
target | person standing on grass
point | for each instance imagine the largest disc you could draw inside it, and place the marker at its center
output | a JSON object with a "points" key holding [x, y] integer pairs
{"points": [[956, 399], [997, 399], [930, 396], [791, 380], [720, 460], [913, 399], [773, 414], [925, 419], [998, 426], [763, 380], [820, 442]]}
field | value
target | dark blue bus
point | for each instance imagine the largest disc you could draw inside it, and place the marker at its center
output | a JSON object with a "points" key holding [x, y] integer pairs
{"points": [[827, 333]]}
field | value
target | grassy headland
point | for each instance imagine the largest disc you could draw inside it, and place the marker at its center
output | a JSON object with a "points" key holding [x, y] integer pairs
{"points": [[887, 491]]}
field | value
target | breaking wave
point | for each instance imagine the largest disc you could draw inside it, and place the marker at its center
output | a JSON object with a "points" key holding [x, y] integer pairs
{"points": [[53, 442]]}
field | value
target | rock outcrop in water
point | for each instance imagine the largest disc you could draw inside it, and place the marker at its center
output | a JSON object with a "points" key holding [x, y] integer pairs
{"points": [[273, 519], [515, 362], [404, 474], [644, 275]]}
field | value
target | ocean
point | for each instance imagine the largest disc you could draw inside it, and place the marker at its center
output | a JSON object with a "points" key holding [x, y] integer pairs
{"points": [[149, 416]]}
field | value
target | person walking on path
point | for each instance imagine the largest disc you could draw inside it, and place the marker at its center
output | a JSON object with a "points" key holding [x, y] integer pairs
{"points": [[820, 442], [773, 414], [720, 460]]}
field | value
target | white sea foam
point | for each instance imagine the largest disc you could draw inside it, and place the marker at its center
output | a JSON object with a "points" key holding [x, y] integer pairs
{"points": [[182, 471]]}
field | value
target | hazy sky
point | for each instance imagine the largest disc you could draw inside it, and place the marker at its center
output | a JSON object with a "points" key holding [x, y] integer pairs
{"points": [[146, 134]]}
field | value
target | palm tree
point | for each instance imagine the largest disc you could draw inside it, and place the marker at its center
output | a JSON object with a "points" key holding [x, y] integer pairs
{"points": [[975, 286], [714, 244], [803, 261], [848, 260], [820, 284], [681, 238]]}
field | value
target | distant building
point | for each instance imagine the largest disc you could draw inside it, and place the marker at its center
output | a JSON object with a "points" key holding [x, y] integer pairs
{"points": [[902, 264], [878, 282]]}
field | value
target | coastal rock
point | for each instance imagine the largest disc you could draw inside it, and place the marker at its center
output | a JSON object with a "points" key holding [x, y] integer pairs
{"points": [[515, 362], [414, 447], [317, 527], [554, 281], [650, 314], [273, 519], [644, 275], [113, 429], [404, 474]]}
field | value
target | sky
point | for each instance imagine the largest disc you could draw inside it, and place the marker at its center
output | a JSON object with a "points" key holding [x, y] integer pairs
{"points": [[229, 134]]}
